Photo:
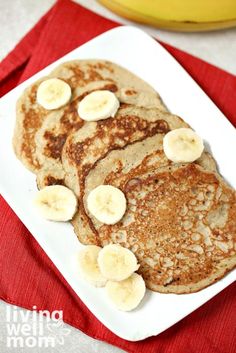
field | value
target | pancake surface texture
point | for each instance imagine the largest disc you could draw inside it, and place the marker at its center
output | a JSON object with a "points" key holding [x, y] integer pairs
{"points": [[143, 156], [180, 223]]}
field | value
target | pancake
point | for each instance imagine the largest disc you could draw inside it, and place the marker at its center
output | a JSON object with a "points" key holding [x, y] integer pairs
{"points": [[180, 222], [79, 73]]}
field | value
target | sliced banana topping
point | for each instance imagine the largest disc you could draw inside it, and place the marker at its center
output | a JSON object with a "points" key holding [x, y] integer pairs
{"points": [[113, 266], [56, 203], [88, 265], [117, 263], [127, 294], [182, 145], [53, 93], [107, 204], [98, 105]]}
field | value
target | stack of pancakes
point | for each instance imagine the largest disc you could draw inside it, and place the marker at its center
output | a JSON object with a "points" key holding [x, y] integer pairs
{"points": [[180, 220]]}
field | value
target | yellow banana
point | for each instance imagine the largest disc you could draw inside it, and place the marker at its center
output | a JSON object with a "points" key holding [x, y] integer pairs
{"points": [[182, 15]]}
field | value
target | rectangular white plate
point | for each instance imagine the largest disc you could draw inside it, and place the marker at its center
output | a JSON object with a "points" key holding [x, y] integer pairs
{"points": [[139, 53]]}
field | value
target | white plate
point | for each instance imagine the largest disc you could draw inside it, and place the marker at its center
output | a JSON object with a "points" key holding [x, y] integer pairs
{"points": [[139, 53]]}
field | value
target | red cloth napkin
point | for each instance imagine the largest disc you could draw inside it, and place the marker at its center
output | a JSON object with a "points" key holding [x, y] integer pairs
{"points": [[27, 276]]}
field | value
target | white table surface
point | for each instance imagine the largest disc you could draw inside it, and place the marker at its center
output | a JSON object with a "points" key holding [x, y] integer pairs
{"points": [[17, 17]]}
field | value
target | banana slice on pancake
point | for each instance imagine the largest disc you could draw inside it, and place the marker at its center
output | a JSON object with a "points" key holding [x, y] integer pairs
{"points": [[107, 203], [88, 265], [127, 294], [56, 203], [117, 263], [53, 93], [182, 145], [98, 105]]}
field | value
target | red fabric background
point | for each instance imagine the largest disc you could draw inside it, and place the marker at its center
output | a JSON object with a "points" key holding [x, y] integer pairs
{"points": [[27, 276]]}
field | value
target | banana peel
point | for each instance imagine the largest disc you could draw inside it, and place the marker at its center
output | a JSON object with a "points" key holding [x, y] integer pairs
{"points": [[177, 15]]}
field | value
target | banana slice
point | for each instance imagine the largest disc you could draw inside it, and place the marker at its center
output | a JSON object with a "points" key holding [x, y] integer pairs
{"points": [[107, 204], [98, 105], [53, 93], [117, 263], [88, 265], [182, 145], [127, 294], [56, 203]]}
